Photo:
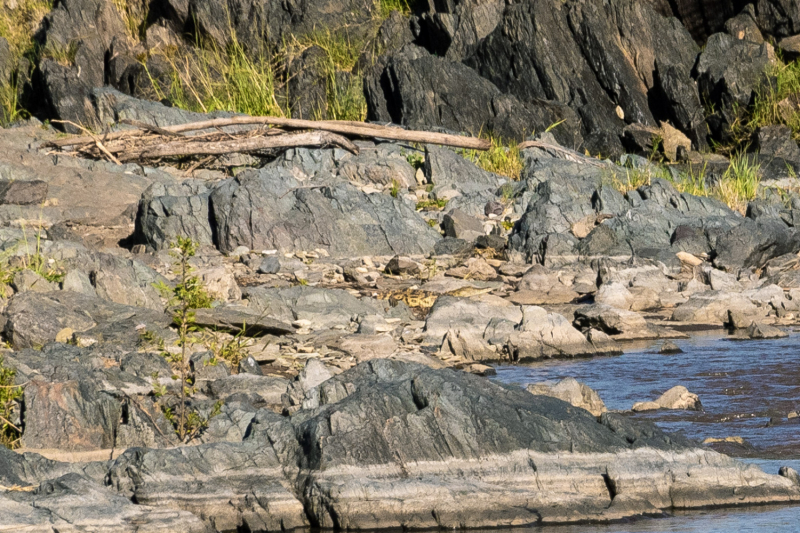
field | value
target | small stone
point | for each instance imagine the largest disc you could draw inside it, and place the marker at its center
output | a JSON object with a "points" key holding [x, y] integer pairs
{"points": [[493, 207], [65, 335], [669, 348], [240, 251], [250, 366], [482, 370], [403, 266]]}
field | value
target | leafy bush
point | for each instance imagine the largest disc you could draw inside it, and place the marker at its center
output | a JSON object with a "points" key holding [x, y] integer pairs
{"points": [[187, 296]]}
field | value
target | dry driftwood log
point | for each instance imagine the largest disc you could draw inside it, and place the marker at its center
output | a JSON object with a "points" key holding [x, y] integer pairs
{"points": [[183, 148], [349, 128]]}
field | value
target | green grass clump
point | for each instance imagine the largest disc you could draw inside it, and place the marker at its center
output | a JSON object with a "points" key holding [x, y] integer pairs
{"points": [[431, 205], [767, 109], [345, 94], [17, 26], [212, 78], [503, 158], [383, 8], [739, 184], [216, 79], [692, 182], [9, 397]]}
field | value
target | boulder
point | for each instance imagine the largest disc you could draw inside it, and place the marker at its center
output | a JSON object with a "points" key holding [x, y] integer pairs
{"points": [[34, 319], [677, 397], [753, 243], [542, 334], [573, 392], [268, 209], [713, 307], [467, 315], [166, 212]]}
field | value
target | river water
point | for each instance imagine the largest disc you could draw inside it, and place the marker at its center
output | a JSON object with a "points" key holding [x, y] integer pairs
{"points": [[747, 389]]}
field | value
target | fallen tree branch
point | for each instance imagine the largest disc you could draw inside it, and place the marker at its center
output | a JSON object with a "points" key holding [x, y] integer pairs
{"points": [[360, 129], [357, 129], [148, 127], [252, 144], [94, 138]]}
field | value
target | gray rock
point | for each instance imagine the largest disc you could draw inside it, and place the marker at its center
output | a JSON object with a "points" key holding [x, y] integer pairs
{"points": [[753, 243], [233, 320], [73, 502], [432, 400], [28, 280], [731, 88], [459, 225], [250, 366], [452, 176], [466, 315], [34, 319], [414, 88], [78, 281], [274, 264], [572, 392], [243, 484], [711, 307], [23, 192], [268, 389], [68, 416], [677, 397], [268, 209], [669, 348], [166, 212], [764, 331], [322, 308]]}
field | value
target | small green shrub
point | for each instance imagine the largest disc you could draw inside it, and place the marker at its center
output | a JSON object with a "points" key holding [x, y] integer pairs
{"points": [[10, 394], [184, 299]]}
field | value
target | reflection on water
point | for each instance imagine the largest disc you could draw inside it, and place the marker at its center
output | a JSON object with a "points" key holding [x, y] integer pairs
{"points": [[742, 385]]}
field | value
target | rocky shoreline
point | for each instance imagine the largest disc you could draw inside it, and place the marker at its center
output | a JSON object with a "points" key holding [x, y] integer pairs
{"points": [[300, 338]]}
